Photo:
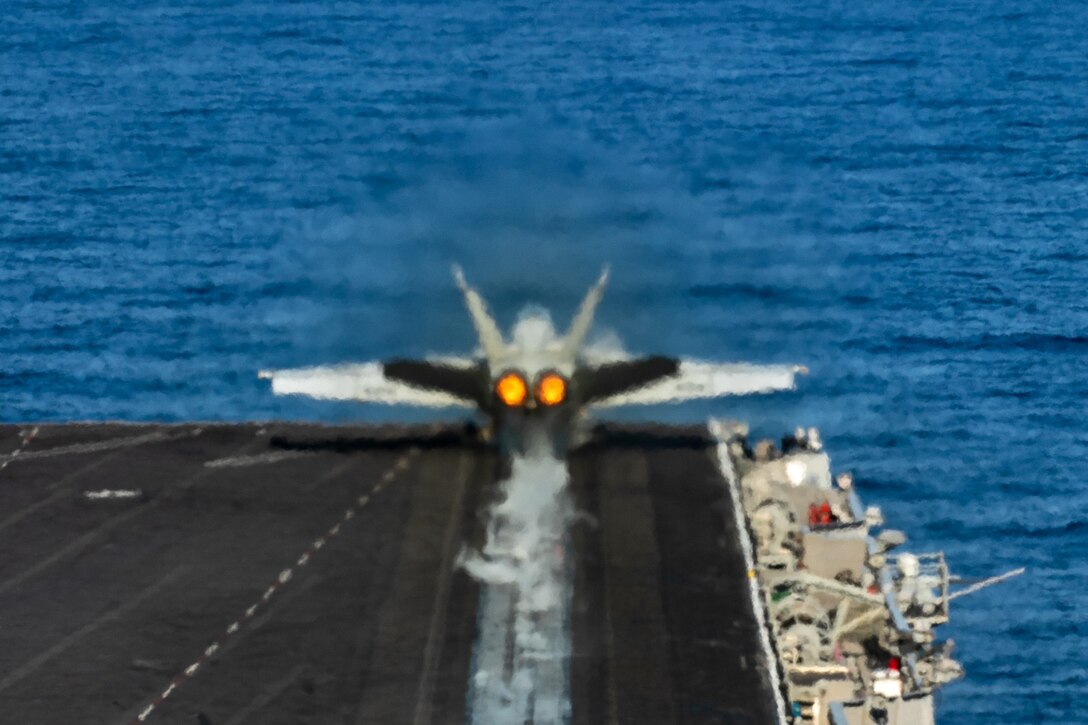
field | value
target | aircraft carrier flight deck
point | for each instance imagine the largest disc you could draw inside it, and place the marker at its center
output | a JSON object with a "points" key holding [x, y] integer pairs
{"points": [[290, 573]]}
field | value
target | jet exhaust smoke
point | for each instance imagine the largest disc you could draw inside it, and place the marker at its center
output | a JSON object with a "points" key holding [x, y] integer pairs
{"points": [[525, 599]]}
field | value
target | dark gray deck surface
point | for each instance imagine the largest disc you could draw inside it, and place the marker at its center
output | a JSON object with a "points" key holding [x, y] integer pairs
{"points": [[104, 604]]}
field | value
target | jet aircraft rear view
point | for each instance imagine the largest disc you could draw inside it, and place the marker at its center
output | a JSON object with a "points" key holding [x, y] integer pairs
{"points": [[535, 388]]}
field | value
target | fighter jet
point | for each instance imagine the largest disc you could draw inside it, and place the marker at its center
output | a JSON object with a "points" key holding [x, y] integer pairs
{"points": [[536, 388]]}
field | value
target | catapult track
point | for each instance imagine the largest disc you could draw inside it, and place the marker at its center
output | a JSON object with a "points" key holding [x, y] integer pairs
{"points": [[286, 573]]}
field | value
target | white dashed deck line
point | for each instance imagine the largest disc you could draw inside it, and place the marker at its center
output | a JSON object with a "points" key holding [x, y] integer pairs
{"points": [[281, 579], [27, 436]]}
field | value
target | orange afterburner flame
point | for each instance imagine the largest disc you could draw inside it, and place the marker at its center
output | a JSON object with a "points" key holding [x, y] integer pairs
{"points": [[512, 389], [551, 389]]}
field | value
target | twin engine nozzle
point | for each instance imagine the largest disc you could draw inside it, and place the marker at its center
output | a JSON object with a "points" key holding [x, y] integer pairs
{"points": [[513, 390]]}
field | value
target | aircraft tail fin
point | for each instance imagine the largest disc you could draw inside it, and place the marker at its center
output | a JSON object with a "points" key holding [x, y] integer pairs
{"points": [[487, 330], [583, 319]]}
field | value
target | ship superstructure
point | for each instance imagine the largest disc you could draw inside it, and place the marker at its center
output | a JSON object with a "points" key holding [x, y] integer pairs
{"points": [[852, 616]]}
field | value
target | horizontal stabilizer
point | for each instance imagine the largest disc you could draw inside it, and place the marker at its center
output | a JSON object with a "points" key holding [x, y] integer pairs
{"points": [[610, 379], [702, 380], [469, 384]]}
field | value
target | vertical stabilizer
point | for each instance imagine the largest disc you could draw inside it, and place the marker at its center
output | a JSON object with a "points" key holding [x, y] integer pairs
{"points": [[486, 330], [579, 326]]}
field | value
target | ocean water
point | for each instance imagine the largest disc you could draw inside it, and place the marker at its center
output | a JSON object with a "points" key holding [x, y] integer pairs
{"points": [[895, 194]]}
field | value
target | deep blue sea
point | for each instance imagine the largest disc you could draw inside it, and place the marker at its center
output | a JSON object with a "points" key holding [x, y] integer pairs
{"points": [[895, 194]]}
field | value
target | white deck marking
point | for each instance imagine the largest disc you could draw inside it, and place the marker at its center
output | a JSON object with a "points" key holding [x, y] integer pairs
{"points": [[87, 538], [270, 457], [23, 513], [106, 445], [425, 693], [328, 475], [265, 698], [282, 578], [73, 547], [106, 493], [58, 487], [725, 464], [35, 662]]}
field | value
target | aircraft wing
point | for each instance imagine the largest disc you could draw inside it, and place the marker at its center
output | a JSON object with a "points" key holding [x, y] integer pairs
{"points": [[694, 380], [364, 382]]}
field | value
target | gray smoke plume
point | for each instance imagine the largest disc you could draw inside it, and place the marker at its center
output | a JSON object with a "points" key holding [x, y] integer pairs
{"points": [[525, 599]]}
